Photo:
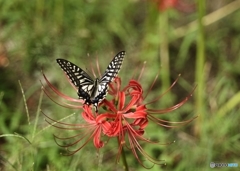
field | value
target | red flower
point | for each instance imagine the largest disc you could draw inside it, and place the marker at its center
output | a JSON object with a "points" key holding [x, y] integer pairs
{"points": [[178, 4], [126, 116], [130, 116], [165, 4]]}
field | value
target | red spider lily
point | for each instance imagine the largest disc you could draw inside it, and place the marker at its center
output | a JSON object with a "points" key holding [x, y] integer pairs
{"points": [[178, 4], [126, 116], [130, 116], [165, 4]]}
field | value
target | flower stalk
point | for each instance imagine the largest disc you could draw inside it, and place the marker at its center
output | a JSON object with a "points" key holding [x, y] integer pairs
{"points": [[124, 160], [200, 74]]}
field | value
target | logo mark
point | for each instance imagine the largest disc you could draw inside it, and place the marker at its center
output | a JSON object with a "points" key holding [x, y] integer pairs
{"points": [[212, 164]]}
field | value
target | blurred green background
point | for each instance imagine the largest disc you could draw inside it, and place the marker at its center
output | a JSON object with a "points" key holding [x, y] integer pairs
{"points": [[198, 39]]}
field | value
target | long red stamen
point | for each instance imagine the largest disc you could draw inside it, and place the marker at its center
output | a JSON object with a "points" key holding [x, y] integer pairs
{"points": [[156, 99]]}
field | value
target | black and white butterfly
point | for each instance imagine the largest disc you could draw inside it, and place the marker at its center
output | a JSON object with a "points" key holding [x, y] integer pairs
{"points": [[92, 91]]}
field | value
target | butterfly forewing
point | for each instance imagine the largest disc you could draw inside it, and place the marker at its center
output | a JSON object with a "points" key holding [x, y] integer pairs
{"points": [[77, 76], [113, 68], [110, 73]]}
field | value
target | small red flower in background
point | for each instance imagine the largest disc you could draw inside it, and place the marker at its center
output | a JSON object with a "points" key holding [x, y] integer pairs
{"points": [[177, 4], [123, 115], [165, 4]]}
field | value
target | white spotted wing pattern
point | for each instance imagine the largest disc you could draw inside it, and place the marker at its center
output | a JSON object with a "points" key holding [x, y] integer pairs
{"points": [[92, 91]]}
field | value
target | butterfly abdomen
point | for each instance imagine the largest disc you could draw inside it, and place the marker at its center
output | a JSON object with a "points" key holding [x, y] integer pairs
{"points": [[95, 89]]}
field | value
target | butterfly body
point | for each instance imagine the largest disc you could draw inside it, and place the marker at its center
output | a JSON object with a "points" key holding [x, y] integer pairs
{"points": [[92, 91]]}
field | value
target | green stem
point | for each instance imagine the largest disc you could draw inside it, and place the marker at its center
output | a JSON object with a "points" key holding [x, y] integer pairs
{"points": [[37, 115], [125, 164], [164, 51], [200, 61], [59, 12], [38, 24]]}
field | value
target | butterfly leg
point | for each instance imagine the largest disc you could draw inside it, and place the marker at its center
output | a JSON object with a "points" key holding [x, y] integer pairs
{"points": [[95, 107]]}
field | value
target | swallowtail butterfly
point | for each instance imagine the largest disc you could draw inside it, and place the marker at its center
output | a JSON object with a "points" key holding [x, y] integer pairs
{"points": [[92, 91]]}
